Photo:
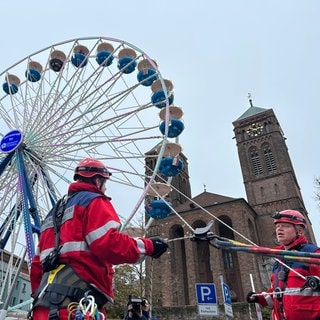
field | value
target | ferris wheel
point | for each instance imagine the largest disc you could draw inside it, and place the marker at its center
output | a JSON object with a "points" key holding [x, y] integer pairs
{"points": [[94, 97]]}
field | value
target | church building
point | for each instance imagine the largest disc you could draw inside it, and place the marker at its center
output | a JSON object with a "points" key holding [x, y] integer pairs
{"points": [[271, 186]]}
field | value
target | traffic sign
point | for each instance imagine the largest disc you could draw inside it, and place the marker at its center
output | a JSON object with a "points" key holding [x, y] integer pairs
{"points": [[207, 299], [227, 299], [226, 294], [206, 293]]}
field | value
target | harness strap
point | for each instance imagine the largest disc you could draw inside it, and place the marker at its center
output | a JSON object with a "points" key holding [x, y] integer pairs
{"points": [[281, 274], [60, 287]]}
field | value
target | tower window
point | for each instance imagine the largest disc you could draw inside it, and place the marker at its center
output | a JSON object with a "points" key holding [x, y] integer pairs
{"points": [[269, 158], [227, 259], [256, 163]]}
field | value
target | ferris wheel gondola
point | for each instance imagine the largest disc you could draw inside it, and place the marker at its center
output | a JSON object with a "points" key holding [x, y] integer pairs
{"points": [[93, 97]]}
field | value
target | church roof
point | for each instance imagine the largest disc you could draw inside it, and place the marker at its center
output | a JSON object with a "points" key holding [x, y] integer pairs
{"points": [[205, 199], [251, 112], [211, 198]]}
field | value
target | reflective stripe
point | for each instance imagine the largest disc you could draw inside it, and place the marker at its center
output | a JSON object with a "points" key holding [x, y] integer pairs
{"points": [[141, 246], [268, 299], [100, 232], [304, 292], [68, 247], [74, 246], [48, 222]]}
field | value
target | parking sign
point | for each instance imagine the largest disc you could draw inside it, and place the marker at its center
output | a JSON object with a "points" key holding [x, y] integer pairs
{"points": [[207, 299], [226, 294], [206, 293], [227, 299]]}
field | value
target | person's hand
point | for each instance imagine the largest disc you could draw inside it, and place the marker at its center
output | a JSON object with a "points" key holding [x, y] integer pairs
{"points": [[132, 312], [160, 246], [145, 306], [251, 297]]}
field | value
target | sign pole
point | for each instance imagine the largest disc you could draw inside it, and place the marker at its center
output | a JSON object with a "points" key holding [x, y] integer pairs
{"points": [[257, 305]]}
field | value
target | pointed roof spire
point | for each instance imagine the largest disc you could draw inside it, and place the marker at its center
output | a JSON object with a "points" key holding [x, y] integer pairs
{"points": [[252, 109], [250, 100]]}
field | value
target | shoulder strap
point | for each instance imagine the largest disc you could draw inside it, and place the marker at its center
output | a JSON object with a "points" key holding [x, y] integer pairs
{"points": [[51, 261], [57, 218]]}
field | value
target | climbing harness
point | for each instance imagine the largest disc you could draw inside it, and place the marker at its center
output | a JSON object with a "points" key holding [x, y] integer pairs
{"points": [[85, 309], [51, 261], [60, 285]]}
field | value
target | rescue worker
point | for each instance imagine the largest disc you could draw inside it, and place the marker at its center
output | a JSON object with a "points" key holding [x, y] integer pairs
{"points": [[79, 243], [295, 289]]}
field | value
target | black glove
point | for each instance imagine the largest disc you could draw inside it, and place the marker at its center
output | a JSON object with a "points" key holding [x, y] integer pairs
{"points": [[160, 246], [313, 282], [250, 298]]}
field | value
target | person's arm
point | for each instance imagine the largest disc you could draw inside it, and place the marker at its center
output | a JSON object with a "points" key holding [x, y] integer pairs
{"points": [[263, 298], [108, 243]]}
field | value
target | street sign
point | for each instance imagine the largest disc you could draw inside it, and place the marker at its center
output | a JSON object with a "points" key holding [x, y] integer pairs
{"points": [[226, 294], [227, 299], [207, 299]]}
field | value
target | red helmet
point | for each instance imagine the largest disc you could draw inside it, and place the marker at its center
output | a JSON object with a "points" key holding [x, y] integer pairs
{"points": [[290, 216], [91, 167]]}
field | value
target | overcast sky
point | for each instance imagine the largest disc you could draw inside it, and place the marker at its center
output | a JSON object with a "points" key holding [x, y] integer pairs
{"points": [[215, 52]]}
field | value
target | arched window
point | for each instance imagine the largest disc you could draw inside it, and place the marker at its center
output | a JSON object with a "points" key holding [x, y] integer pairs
{"points": [[201, 254], [179, 272], [255, 160], [230, 259], [269, 158]]}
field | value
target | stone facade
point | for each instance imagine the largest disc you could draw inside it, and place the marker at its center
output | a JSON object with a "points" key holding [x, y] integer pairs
{"points": [[270, 185]]}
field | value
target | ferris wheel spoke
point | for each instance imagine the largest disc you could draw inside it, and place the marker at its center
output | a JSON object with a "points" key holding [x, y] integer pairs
{"points": [[72, 100]]}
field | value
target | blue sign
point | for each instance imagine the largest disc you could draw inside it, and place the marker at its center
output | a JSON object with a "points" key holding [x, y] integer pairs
{"points": [[11, 141], [226, 294], [206, 293]]}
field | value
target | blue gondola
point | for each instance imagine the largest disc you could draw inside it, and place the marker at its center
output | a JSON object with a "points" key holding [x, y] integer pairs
{"points": [[104, 58], [158, 209], [170, 166], [175, 128], [79, 59], [158, 99], [147, 77], [10, 88], [127, 64]]}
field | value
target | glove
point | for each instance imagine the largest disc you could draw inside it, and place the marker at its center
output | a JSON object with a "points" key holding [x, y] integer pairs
{"points": [[160, 246], [251, 298], [313, 282]]}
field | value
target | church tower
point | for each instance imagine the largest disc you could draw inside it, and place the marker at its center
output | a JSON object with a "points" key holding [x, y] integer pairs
{"points": [[268, 175], [270, 185]]}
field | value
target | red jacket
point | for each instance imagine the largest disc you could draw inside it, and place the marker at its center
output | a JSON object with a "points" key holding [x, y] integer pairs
{"points": [[90, 239], [295, 303]]}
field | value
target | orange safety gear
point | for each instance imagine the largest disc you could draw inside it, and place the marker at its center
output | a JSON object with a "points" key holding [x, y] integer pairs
{"points": [[89, 168], [290, 216]]}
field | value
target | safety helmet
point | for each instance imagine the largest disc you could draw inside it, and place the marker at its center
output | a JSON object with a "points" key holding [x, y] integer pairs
{"points": [[290, 216], [89, 168]]}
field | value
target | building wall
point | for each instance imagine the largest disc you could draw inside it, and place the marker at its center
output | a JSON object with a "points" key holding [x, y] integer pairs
{"points": [[271, 185], [189, 262], [21, 292]]}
